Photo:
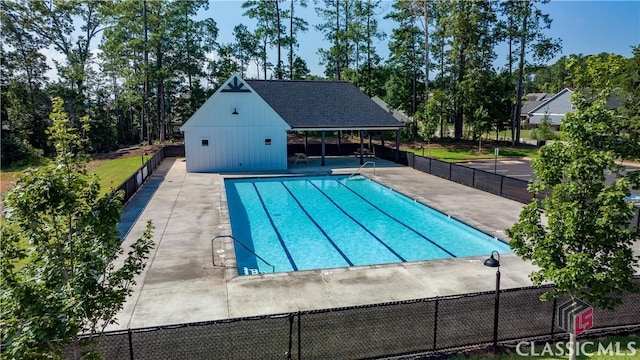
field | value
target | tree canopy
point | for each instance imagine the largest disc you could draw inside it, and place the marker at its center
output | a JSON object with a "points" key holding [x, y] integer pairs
{"points": [[59, 249], [585, 245], [142, 68]]}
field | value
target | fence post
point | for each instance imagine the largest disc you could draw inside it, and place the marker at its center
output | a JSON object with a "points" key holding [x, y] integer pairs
{"points": [[299, 338], [473, 178], [130, 344], [553, 316], [449, 178], [290, 336], [501, 181], [435, 324]]}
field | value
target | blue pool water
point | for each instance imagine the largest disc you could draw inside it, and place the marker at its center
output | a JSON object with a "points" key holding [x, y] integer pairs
{"points": [[304, 223]]}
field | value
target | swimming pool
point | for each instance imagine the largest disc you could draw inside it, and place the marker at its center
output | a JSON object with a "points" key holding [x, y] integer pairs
{"points": [[304, 223]]}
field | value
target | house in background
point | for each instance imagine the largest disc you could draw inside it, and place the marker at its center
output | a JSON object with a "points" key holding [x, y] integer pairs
{"points": [[555, 107], [397, 113], [243, 126], [532, 101]]}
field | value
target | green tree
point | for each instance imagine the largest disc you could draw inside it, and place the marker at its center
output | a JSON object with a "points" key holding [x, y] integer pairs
{"points": [[470, 36], [25, 104], [246, 48], [406, 59], [438, 41], [300, 69], [188, 42], [269, 30], [585, 247], [628, 92], [166, 50], [364, 32], [334, 57], [60, 243], [296, 25], [224, 66], [427, 116], [524, 28], [347, 24], [543, 131], [70, 27], [551, 78]]}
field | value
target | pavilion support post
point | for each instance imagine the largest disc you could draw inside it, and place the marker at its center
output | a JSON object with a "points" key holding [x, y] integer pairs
{"points": [[340, 142], [306, 142], [361, 148], [323, 139], [370, 148], [382, 139], [397, 145]]}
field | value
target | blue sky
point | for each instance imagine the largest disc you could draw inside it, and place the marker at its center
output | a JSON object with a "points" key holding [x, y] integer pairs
{"points": [[585, 27]]}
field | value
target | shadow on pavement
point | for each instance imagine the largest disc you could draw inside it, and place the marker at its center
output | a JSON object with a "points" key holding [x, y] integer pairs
{"points": [[139, 201]]}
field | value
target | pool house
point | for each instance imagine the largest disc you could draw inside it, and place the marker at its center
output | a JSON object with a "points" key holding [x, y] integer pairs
{"points": [[243, 126]]}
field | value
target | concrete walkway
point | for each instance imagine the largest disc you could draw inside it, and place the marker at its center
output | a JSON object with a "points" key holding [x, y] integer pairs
{"points": [[180, 283]]}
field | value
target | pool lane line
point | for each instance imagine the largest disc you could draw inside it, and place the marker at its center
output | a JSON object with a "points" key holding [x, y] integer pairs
{"points": [[398, 221], [358, 222], [273, 225], [344, 256]]}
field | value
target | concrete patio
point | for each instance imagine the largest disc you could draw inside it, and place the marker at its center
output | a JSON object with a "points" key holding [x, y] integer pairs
{"points": [[180, 283]]}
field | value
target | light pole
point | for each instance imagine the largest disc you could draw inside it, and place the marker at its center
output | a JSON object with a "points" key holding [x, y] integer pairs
{"points": [[493, 262], [142, 157]]}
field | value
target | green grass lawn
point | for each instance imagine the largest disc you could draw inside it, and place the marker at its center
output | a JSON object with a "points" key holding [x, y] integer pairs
{"points": [[524, 134], [111, 173], [466, 153], [506, 134]]}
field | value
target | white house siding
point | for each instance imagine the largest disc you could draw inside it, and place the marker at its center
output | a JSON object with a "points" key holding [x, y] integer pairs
{"points": [[556, 108], [235, 142], [235, 149]]}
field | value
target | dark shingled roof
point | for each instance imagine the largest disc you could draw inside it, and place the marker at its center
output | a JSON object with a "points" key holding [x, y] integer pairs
{"points": [[530, 105], [323, 105]]}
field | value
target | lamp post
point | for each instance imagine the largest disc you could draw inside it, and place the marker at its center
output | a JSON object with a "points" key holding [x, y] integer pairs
{"points": [[493, 262], [142, 157]]}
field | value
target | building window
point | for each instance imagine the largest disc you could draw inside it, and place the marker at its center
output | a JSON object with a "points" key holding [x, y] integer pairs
{"points": [[205, 142], [267, 141]]}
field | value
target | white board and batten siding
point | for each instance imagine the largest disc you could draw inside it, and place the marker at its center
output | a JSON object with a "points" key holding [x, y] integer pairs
{"points": [[216, 140]]}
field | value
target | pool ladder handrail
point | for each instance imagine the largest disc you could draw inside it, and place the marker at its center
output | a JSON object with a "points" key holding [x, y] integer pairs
{"points": [[357, 172], [273, 268]]}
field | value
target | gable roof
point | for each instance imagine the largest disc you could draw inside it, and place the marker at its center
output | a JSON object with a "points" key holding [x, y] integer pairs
{"points": [[315, 105], [537, 96], [530, 105], [548, 100], [398, 114]]}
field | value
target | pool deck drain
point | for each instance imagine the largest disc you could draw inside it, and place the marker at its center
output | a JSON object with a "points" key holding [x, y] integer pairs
{"points": [[181, 285]]}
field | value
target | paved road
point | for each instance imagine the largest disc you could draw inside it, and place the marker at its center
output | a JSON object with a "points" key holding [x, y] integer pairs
{"points": [[516, 168], [521, 169]]}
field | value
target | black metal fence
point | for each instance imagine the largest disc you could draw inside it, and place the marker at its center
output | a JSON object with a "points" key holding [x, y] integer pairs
{"points": [[133, 183], [372, 331], [362, 332], [508, 187]]}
